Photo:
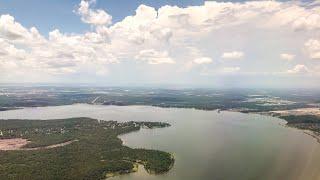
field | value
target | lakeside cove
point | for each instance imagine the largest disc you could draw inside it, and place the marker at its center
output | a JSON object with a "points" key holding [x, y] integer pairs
{"points": [[205, 144]]}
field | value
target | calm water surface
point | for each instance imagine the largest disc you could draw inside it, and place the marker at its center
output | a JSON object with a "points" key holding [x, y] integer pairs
{"points": [[207, 145]]}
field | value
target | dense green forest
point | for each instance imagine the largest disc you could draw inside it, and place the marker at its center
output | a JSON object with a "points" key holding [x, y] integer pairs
{"points": [[96, 152], [310, 122]]}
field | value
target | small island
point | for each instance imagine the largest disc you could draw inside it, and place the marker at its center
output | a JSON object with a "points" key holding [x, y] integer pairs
{"points": [[75, 148]]}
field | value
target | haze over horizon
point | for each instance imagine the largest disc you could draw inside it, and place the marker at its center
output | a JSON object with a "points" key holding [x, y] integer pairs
{"points": [[191, 43]]}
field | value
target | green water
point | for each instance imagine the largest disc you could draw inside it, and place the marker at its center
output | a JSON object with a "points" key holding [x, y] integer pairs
{"points": [[206, 145]]}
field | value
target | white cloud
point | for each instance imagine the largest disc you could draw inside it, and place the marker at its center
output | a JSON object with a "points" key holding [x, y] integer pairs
{"points": [[299, 69], [94, 17], [307, 21], [313, 48], [287, 57], [28, 51], [154, 57], [8, 51], [202, 60], [11, 30], [193, 35], [233, 55]]}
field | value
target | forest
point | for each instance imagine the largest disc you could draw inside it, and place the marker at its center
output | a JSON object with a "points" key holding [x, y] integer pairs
{"points": [[96, 152]]}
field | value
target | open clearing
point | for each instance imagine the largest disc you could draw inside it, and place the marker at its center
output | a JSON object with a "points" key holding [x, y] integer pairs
{"points": [[12, 144], [300, 111], [19, 143]]}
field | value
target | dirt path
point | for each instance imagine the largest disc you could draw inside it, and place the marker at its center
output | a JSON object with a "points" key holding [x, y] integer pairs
{"points": [[50, 146]]}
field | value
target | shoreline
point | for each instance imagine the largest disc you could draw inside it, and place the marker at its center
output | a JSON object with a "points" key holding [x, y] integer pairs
{"points": [[315, 135], [154, 161], [136, 167], [113, 174]]}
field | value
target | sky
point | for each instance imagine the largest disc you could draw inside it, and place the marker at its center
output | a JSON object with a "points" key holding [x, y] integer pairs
{"points": [[191, 43]]}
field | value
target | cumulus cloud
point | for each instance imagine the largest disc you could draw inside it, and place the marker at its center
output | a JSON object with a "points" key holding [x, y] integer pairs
{"points": [[24, 49], [154, 57], [10, 51], [287, 57], [232, 55], [202, 60], [12, 30], [308, 20], [165, 36], [299, 69], [313, 48], [94, 17]]}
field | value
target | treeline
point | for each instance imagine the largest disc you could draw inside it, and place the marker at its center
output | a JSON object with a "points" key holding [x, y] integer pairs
{"points": [[294, 119]]}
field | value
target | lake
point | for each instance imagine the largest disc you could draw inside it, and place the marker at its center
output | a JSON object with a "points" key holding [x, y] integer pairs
{"points": [[206, 145]]}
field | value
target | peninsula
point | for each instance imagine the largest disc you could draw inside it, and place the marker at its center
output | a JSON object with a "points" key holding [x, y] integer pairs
{"points": [[75, 148]]}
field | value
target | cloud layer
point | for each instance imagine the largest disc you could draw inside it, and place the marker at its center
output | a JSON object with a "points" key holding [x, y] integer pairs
{"points": [[180, 42]]}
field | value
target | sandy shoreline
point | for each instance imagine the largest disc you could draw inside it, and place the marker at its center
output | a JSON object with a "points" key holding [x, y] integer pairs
{"points": [[313, 134]]}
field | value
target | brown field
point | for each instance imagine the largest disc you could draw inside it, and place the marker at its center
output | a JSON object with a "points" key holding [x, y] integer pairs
{"points": [[12, 144], [300, 111], [18, 143]]}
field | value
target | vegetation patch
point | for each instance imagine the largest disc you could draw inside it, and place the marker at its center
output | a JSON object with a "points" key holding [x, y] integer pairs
{"points": [[305, 122], [96, 152]]}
